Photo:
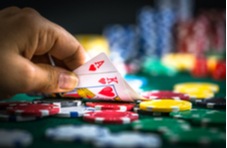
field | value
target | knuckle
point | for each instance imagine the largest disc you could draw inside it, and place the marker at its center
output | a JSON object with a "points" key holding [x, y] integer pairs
{"points": [[13, 8], [29, 17], [30, 11]]}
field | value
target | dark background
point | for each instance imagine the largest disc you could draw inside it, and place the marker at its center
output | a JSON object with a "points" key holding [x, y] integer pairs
{"points": [[91, 16]]}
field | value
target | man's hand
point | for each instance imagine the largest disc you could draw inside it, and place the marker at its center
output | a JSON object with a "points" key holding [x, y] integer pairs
{"points": [[25, 39]]}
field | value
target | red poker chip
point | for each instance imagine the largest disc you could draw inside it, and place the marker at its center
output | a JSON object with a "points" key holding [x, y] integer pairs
{"points": [[111, 117], [152, 95], [111, 106], [34, 109]]}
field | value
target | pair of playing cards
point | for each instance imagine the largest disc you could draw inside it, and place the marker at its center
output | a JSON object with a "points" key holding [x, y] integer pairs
{"points": [[99, 79]]}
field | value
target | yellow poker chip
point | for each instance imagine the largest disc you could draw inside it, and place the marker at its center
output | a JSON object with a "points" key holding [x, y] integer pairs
{"points": [[167, 105], [201, 95], [195, 87], [179, 61], [94, 44]]}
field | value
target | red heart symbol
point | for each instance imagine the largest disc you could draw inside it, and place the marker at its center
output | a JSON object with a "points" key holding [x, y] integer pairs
{"points": [[107, 91], [102, 80], [92, 67]]}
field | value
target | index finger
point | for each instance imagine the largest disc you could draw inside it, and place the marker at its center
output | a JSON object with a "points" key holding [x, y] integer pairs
{"points": [[61, 45], [67, 49]]}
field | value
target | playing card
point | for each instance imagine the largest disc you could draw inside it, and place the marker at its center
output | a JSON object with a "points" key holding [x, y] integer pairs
{"points": [[99, 79], [99, 64]]}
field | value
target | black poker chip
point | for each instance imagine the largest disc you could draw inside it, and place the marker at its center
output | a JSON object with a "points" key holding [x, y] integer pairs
{"points": [[213, 103], [63, 102]]}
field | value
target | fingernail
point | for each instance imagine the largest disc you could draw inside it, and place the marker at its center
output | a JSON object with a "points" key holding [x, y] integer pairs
{"points": [[67, 81]]}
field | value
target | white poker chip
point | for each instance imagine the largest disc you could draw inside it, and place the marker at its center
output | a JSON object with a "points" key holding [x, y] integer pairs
{"points": [[72, 133], [74, 112], [15, 138], [129, 140]]}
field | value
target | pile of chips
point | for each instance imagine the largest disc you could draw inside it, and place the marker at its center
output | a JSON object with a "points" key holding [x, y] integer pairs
{"points": [[174, 115]]}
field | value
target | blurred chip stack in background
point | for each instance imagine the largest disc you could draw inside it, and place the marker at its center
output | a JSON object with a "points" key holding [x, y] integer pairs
{"points": [[123, 41], [168, 37], [204, 37]]}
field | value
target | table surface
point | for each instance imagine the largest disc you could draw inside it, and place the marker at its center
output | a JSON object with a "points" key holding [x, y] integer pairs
{"points": [[37, 128]]}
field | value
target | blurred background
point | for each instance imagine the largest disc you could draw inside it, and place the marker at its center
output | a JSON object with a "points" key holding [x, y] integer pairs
{"points": [[156, 37]]}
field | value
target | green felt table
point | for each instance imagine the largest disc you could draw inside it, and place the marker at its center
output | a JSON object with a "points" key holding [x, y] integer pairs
{"points": [[38, 127]]}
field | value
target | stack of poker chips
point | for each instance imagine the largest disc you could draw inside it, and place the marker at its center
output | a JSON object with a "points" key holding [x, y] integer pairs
{"points": [[156, 25], [205, 34], [147, 28], [123, 43], [123, 40]]}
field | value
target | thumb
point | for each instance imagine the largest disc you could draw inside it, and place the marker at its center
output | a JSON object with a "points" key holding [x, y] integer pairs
{"points": [[51, 79]]}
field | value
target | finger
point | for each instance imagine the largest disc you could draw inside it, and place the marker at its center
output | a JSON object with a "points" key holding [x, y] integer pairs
{"points": [[26, 76], [53, 79], [64, 47], [46, 60]]}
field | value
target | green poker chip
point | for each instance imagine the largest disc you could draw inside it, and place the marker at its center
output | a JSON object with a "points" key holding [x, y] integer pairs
{"points": [[212, 118], [204, 117], [203, 136], [161, 125]]}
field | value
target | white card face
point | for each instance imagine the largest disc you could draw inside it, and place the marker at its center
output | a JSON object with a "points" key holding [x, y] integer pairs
{"points": [[99, 64]]}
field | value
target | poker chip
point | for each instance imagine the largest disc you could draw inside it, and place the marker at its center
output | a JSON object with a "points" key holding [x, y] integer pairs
{"points": [[143, 112], [15, 138], [5, 104], [4, 116], [111, 106], [73, 133], [74, 112], [111, 116], [129, 140], [38, 110], [152, 95], [159, 124], [213, 103], [200, 95], [202, 136], [63, 102], [195, 86], [190, 114], [212, 118], [202, 116], [166, 105]]}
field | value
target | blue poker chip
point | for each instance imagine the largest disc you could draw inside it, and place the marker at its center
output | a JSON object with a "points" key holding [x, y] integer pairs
{"points": [[123, 40], [74, 111]]}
